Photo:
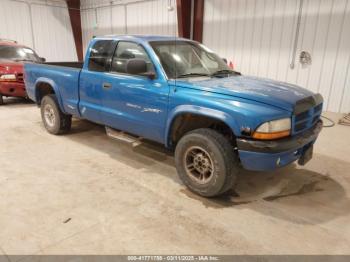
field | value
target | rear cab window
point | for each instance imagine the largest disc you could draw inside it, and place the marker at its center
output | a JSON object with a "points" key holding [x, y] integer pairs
{"points": [[101, 55]]}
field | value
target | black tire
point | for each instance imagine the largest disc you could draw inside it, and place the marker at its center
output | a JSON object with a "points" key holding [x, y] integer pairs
{"points": [[211, 147], [55, 121], [1, 100]]}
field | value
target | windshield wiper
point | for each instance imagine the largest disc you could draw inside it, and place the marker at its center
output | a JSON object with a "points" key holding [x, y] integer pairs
{"points": [[225, 72], [192, 74]]}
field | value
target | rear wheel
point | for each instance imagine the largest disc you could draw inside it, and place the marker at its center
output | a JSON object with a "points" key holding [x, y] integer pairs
{"points": [[55, 121], [206, 162], [1, 100]]}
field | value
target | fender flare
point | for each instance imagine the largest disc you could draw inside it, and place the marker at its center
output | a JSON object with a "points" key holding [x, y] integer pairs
{"points": [[44, 80], [202, 111]]}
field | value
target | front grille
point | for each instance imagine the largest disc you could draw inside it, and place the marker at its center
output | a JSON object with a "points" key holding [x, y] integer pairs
{"points": [[306, 119], [20, 78], [301, 116], [318, 108]]}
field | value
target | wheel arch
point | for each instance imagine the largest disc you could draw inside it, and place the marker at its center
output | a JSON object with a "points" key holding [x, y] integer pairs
{"points": [[197, 117], [44, 86]]}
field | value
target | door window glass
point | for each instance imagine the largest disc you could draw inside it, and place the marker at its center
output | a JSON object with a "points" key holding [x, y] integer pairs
{"points": [[101, 55], [126, 51]]}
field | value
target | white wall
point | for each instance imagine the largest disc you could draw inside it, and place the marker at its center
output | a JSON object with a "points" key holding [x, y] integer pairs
{"points": [[40, 24], [127, 17], [258, 36]]}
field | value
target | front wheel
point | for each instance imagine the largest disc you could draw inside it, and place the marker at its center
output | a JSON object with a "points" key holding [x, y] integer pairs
{"points": [[55, 121], [206, 162], [1, 100]]}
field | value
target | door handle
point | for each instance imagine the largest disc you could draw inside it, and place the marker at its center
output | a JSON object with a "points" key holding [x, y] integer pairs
{"points": [[106, 85]]}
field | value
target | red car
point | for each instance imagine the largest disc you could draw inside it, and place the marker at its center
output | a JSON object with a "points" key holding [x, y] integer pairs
{"points": [[12, 57]]}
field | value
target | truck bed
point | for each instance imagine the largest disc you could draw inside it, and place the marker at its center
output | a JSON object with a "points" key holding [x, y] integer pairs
{"points": [[62, 76]]}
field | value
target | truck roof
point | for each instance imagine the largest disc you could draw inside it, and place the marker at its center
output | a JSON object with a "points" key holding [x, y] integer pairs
{"points": [[7, 43], [10, 43], [142, 38]]}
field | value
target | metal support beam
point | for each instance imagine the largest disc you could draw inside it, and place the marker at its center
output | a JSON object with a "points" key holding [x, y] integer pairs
{"points": [[184, 17], [190, 18], [198, 10], [75, 20]]}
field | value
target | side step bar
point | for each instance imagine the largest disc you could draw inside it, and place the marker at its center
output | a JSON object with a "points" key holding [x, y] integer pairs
{"points": [[119, 135]]}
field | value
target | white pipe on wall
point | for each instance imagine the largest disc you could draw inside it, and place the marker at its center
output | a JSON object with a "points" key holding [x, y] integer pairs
{"points": [[297, 33], [268, 39]]}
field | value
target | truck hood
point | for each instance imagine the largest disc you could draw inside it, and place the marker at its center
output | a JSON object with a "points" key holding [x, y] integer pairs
{"points": [[275, 93], [8, 66]]}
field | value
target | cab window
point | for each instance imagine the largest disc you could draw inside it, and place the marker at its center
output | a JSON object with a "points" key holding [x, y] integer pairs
{"points": [[126, 51], [101, 55]]}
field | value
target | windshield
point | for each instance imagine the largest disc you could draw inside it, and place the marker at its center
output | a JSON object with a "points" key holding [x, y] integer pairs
{"points": [[17, 53], [188, 59]]}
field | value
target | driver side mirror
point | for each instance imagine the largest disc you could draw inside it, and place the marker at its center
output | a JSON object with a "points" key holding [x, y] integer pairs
{"points": [[139, 67], [42, 59], [225, 60]]}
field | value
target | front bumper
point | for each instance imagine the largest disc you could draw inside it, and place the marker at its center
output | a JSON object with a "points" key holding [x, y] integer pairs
{"points": [[268, 155], [16, 89]]}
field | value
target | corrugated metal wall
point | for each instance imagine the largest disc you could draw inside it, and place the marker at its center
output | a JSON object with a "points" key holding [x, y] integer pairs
{"points": [[42, 25], [258, 36], [128, 17]]}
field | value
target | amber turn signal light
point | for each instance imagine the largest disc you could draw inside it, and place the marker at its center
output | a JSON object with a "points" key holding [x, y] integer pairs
{"points": [[271, 136]]}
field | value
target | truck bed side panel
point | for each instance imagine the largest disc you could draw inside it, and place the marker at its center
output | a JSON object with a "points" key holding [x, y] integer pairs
{"points": [[64, 81]]}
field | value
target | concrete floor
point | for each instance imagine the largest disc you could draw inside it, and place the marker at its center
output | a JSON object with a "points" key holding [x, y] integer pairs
{"points": [[84, 193]]}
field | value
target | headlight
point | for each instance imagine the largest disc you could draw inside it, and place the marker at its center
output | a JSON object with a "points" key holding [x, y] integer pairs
{"points": [[273, 129], [8, 77]]}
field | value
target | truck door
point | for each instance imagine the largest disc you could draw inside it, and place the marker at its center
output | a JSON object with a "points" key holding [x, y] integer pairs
{"points": [[134, 103], [92, 79]]}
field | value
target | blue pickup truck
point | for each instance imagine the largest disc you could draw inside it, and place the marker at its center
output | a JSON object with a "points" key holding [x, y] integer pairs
{"points": [[179, 93]]}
